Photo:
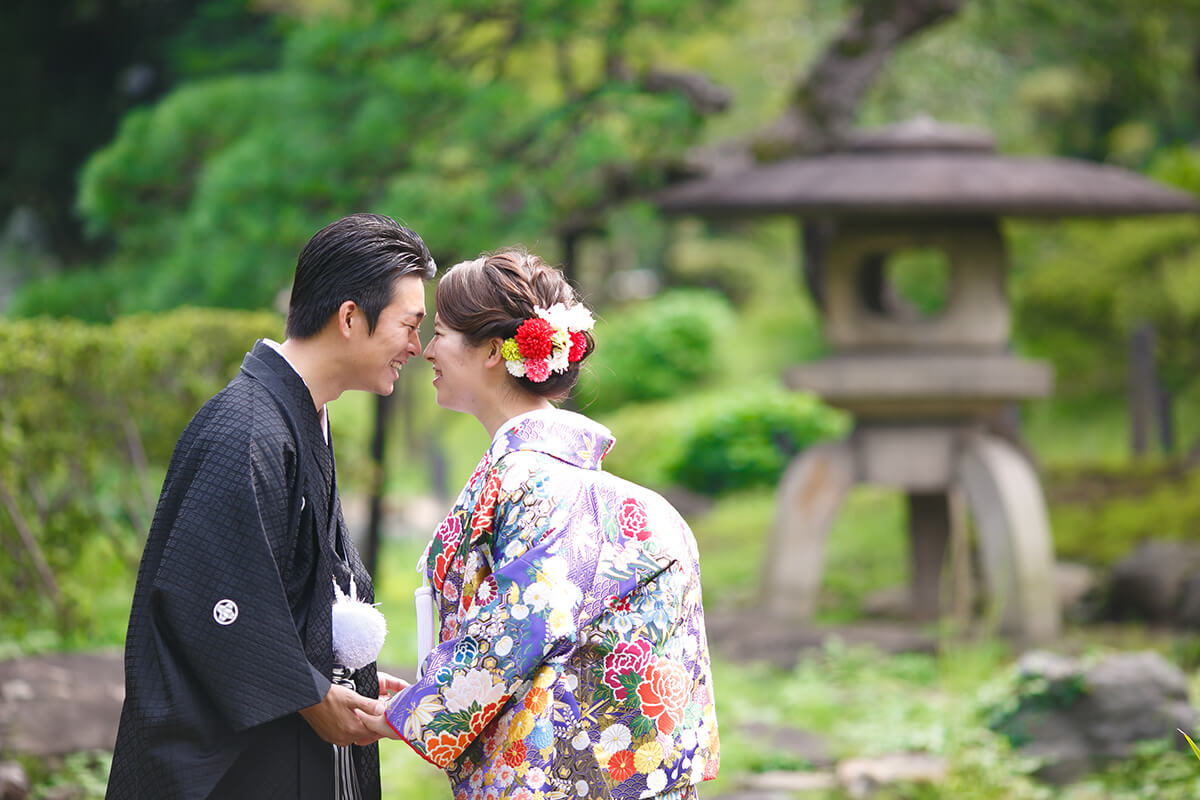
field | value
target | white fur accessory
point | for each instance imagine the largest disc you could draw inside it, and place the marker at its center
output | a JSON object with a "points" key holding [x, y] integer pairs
{"points": [[358, 629]]}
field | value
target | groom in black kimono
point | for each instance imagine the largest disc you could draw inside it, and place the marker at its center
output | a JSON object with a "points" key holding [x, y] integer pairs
{"points": [[231, 689]]}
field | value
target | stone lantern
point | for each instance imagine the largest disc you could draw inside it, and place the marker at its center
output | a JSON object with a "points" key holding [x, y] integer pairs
{"points": [[925, 390]]}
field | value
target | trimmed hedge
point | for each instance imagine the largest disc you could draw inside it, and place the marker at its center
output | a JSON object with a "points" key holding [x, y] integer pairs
{"points": [[89, 415]]}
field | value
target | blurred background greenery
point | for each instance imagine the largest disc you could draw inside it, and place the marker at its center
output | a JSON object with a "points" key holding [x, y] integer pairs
{"points": [[162, 164]]}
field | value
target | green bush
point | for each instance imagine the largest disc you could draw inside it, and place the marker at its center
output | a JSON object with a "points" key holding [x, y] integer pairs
{"points": [[1099, 516], [747, 439], [718, 440], [656, 349], [89, 415]]}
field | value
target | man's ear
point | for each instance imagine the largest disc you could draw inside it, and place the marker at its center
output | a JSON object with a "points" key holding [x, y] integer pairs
{"points": [[347, 319], [495, 347]]}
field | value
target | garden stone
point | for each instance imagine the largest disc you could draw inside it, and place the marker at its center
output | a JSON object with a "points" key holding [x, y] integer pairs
{"points": [[60, 703], [1149, 583], [1078, 588], [1135, 696], [1187, 610], [1075, 718], [1048, 665], [800, 744], [863, 777], [14, 783], [784, 783], [890, 602], [747, 635]]}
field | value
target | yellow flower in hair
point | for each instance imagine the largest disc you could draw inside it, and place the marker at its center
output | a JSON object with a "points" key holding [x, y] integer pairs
{"points": [[510, 351]]}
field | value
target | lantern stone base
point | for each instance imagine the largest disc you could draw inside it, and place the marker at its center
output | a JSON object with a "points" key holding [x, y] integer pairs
{"points": [[931, 463]]}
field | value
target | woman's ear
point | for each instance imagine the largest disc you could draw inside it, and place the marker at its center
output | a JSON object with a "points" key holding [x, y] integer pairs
{"points": [[494, 351]]}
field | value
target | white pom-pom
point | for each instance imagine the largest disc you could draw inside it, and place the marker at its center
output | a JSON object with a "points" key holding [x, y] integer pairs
{"points": [[358, 629]]}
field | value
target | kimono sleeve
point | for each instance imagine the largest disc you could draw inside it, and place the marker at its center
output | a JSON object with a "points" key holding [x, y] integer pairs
{"points": [[218, 598], [516, 616]]}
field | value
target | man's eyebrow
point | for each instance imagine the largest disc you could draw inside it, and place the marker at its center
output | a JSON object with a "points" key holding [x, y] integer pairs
{"points": [[417, 315]]}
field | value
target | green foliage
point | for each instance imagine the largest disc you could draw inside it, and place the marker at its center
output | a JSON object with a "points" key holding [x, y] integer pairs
{"points": [[1100, 516], [748, 438], [85, 773], [1155, 771], [1085, 101], [475, 123], [657, 349], [89, 415], [922, 278], [1096, 283]]}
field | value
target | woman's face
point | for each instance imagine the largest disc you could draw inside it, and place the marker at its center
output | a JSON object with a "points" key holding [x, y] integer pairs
{"points": [[458, 369]]}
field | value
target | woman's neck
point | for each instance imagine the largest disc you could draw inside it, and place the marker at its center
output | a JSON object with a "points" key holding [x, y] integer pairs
{"points": [[511, 405]]}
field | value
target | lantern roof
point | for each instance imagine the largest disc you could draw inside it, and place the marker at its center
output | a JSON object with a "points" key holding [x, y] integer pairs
{"points": [[923, 168]]}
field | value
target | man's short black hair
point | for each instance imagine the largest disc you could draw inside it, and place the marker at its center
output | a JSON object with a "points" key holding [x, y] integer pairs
{"points": [[357, 258]]}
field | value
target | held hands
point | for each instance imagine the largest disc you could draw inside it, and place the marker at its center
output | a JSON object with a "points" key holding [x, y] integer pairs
{"points": [[334, 718]]}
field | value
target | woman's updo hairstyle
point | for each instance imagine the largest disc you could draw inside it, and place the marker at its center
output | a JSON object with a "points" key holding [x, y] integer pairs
{"points": [[492, 295]]}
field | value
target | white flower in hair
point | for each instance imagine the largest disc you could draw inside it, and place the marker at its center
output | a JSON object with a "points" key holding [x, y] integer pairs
{"points": [[558, 361], [575, 318], [358, 629]]}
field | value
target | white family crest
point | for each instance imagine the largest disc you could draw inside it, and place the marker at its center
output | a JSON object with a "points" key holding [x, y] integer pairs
{"points": [[225, 612]]}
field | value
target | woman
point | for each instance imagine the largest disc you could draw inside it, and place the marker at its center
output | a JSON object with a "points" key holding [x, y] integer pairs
{"points": [[572, 659]]}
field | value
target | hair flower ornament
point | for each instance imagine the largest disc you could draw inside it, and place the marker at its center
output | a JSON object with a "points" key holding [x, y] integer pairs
{"points": [[548, 343]]}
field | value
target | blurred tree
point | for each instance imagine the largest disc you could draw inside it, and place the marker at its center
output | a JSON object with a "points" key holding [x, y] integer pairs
{"points": [[71, 69], [825, 102], [1108, 80], [477, 123]]}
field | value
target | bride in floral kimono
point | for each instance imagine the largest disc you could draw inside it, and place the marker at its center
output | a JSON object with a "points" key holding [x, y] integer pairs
{"points": [[572, 660]]}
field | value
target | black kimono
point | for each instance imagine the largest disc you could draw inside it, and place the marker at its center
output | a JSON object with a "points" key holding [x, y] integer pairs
{"points": [[230, 631]]}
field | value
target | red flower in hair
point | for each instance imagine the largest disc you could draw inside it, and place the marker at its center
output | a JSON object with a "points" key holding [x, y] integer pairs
{"points": [[578, 346], [533, 338]]}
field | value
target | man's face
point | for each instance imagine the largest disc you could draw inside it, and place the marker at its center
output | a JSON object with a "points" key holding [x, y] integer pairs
{"points": [[378, 357]]}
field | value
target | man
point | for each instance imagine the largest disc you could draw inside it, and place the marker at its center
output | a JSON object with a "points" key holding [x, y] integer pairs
{"points": [[228, 659]]}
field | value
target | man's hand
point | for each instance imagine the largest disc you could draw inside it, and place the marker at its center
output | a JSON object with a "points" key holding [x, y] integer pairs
{"points": [[390, 685], [334, 717]]}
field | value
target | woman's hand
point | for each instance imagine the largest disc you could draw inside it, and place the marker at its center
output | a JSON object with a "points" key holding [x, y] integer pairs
{"points": [[390, 685], [377, 724]]}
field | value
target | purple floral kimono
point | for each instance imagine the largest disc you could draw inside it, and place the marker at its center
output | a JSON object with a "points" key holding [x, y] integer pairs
{"points": [[572, 659]]}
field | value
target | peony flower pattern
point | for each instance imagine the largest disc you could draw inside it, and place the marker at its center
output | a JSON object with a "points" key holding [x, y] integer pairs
{"points": [[664, 693], [626, 659], [633, 521], [573, 660]]}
